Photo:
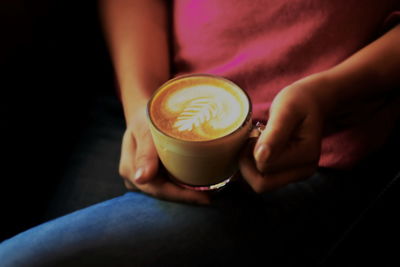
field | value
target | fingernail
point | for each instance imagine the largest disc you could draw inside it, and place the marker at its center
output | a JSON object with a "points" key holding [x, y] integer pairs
{"points": [[138, 174], [262, 153]]}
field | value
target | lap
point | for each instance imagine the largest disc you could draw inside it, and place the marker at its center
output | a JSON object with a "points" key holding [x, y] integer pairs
{"points": [[285, 226]]}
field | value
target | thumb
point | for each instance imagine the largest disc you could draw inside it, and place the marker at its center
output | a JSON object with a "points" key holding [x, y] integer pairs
{"points": [[276, 135], [146, 159]]}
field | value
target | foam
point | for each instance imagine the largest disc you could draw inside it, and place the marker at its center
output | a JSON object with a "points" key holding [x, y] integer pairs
{"points": [[199, 108]]}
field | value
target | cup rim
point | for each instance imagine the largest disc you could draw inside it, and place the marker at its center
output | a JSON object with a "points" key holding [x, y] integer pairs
{"points": [[245, 121]]}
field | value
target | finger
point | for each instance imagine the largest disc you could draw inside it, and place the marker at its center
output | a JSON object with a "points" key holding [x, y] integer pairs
{"points": [[303, 148], [266, 182], [247, 165], [127, 160], [278, 131], [146, 158], [296, 155], [164, 189], [129, 185]]}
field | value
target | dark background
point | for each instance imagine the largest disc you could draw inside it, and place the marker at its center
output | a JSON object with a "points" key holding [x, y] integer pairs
{"points": [[53, 60]]}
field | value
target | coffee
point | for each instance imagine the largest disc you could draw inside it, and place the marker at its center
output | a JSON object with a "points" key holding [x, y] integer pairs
{"points": [[199, 108], [199, 124]]}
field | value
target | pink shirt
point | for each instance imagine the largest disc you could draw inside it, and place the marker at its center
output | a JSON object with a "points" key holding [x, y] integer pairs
{"points": [[265, 45]]}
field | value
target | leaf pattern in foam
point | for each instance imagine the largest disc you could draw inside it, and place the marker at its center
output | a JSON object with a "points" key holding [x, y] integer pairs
{"points": [[197, 112]]}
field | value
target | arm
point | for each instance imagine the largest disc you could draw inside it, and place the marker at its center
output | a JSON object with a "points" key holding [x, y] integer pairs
{"points": [[137, 34], [371, 72], [289, 147]]}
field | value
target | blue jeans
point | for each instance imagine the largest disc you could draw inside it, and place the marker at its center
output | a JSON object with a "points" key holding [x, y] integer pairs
{"points": [[292, 226]]}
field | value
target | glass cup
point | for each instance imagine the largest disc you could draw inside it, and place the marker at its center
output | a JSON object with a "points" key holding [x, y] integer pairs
{"points": [[200, 165]]}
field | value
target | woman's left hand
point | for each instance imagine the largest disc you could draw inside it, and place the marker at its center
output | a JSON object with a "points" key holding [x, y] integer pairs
{"points": [[288, 149]]}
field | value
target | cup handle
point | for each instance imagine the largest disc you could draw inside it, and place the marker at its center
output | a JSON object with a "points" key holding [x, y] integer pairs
{"points": [[258, 128]]}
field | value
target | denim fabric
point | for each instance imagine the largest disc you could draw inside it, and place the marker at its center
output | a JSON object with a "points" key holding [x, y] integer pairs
{"points": [[290, 226]]}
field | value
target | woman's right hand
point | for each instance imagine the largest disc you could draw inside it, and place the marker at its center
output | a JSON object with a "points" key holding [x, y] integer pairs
{"points": [[139, 165]]}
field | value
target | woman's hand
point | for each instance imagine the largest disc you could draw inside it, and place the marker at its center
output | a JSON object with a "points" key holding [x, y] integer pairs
{"points": [[139, 165], [289, 147]]}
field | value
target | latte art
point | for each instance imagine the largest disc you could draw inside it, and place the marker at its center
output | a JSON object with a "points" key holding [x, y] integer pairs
{"points": [[196, 113], [199, 108]]}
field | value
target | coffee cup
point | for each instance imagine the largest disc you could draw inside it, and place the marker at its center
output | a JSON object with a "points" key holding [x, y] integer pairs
{"points": [[199, 123]]}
